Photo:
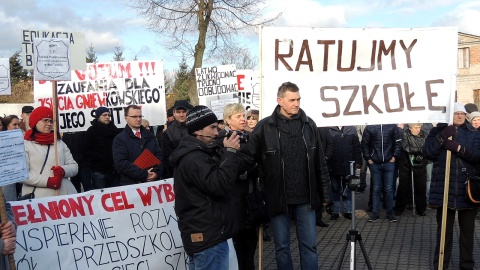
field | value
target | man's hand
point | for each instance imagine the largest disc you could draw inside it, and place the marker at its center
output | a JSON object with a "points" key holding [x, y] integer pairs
{"points": [[370, 161], [358, 166], [393, 159], [232, 142], [7, 229], [151, 175]]}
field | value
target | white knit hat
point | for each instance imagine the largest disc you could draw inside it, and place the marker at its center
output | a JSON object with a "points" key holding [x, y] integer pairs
{"points": [[459, 108]]}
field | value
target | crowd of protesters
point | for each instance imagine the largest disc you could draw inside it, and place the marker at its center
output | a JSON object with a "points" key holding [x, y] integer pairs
{"points": [[298, 168]]}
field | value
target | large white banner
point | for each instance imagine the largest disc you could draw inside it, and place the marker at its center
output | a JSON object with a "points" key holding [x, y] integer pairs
{"points": [[114, 85], [129, 227], [363, 76]]}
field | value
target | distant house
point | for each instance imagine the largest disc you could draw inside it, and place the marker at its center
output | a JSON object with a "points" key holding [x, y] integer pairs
{"points": [[468, 69]]}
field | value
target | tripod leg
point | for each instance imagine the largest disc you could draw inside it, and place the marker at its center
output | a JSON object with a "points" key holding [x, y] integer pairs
{"points": [[344, 249], [364, 252]]}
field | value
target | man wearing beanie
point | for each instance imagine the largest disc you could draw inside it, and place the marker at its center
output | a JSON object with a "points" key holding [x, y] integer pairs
{"points": [[203, 177], [470, 107], [294, 175], [129, 144], [98, 148], [174, 133]]}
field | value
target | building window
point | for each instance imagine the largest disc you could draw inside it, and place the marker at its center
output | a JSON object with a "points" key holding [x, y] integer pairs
{"points": [[463, 58]]}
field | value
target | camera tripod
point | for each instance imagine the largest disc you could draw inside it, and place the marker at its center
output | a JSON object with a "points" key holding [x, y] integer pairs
{"points": [[353, 235]]}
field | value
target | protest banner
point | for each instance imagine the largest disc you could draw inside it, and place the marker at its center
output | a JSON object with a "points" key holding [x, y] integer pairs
{"points": [[5, 80], [114, 85], [52, 59], [128, 227], [249, 89], [76, 40], [13, 162], [216, 81], [363, 76]]}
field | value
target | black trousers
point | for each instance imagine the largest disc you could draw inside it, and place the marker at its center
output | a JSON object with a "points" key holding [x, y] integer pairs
{"points": [[404, 190], [245, 243], [466, 223]]}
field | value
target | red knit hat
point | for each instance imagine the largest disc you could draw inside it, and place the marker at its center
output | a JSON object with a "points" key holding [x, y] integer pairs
{"points": [[38, 114]]}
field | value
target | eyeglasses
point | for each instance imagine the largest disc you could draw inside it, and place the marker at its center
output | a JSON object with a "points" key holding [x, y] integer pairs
{"points": [[136, 116], [45, 121]]}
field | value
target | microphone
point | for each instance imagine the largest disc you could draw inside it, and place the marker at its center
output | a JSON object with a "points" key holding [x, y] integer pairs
{"points": [[211, 137]]}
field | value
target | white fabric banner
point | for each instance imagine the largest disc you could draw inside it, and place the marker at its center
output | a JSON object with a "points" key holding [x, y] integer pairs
{"points": [[114, 85], [363, 76]]}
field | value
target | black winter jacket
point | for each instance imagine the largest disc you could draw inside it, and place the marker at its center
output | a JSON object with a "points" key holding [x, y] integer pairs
{"points": [[203, 179], [381, 142], [469, 139], [346, 148], [264, 148], [170, 140], [98, 146], [412, 146], [127, 147]]}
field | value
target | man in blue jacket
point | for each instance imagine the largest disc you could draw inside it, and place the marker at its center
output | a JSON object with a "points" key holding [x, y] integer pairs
{"points": [[129, 145], [381, 146]]}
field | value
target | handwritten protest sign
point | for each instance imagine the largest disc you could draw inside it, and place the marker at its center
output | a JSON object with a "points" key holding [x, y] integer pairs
{"points": [[76, 40], [13, 163], [249, 89], [215, 81], [129, 227], [5, 81], [114, 85], [363, 76], [52, 59]]}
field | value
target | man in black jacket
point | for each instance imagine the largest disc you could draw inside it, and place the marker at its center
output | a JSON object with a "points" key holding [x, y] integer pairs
{"points": [[203, 178], [287, 147], [129, 145], [98, 149], [174, 133], [381, 146]]}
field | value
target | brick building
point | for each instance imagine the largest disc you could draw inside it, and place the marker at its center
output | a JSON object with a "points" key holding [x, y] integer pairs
{"points": [[468, 71]]}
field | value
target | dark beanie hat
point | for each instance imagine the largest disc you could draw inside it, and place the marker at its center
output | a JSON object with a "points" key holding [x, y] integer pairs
{"points": [[199, 117], [99, 111], [170, 112], [470, 107], [38, 114]]}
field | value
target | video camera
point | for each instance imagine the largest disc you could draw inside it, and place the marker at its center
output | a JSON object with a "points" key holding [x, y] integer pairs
{"points": [[353, 180], [242, 135]]}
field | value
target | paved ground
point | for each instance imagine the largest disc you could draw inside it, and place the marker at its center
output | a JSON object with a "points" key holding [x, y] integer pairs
{"points": [[407, 244]]}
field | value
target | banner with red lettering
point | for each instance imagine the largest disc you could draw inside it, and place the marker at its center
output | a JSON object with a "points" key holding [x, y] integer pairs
{"points": [[363, 76], [249, 88], [129, 227], [114, 85]]}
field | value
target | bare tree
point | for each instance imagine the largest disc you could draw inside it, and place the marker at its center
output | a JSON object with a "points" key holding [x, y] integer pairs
{"points": [[191, 26], [241, 57]]}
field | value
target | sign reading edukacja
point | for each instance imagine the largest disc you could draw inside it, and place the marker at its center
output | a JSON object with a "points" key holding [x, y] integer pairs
{"points": [[114, 85], [129, 227], [363, 76]]}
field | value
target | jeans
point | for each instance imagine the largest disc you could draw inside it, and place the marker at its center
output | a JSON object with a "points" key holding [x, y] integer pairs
{"points": [[213, 258], [306, 235], [101, 180], [340, 190], [382, 177]]}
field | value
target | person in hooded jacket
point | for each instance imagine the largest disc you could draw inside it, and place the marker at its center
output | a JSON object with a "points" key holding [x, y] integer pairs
{"points": [[465, 147], [204, 174], [98, 148]]}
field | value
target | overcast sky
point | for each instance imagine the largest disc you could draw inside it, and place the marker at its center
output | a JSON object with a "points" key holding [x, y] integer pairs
{"points": [[108, 23]]}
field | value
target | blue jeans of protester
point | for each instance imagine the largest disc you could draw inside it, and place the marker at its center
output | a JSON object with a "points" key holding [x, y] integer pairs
{"points": [[340, 190], [213, 258], [306, 235], [382, 178], [101, 180]]}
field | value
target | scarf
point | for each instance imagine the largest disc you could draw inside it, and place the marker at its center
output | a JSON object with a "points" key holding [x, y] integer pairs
{"points": [[40, 138]]}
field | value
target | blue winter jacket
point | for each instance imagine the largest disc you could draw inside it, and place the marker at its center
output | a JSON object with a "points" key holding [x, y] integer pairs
{"points": [[469, 139], [381, 142]]}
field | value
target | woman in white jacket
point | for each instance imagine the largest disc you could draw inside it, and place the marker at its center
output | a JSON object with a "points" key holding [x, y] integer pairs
{"points": [[44, 178]]}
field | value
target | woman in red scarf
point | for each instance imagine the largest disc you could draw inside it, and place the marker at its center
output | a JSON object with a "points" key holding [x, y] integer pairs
{"points": [[44, 178]]}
